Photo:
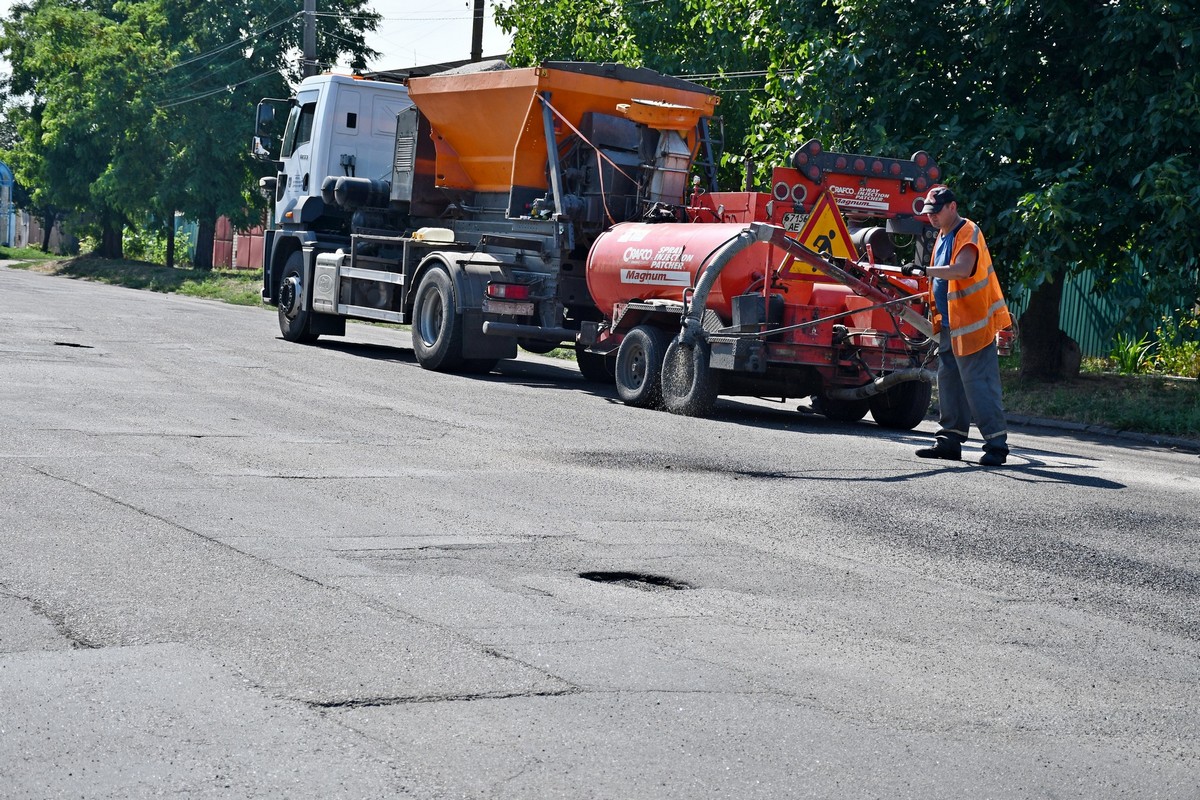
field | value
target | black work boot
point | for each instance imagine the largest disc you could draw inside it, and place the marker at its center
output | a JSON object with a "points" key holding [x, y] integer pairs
{"points": [[993, 458], [944, 449]]}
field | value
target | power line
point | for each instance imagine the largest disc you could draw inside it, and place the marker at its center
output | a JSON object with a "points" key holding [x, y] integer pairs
{"points": [[244, 40], [758, 73], [396, 19], [212, 92]]}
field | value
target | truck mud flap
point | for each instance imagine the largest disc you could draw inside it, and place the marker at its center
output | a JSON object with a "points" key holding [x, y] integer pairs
{"points": [[477, 344]]}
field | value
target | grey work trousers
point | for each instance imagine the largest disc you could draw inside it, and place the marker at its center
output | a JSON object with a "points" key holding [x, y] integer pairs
{"points": [[969, 389]]}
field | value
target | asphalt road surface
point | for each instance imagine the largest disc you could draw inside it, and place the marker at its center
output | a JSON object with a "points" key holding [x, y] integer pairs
{"points": [[231, 566]]}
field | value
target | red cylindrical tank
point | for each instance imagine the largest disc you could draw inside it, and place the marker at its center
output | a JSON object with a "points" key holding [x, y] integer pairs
{"points": [[636, 261]]}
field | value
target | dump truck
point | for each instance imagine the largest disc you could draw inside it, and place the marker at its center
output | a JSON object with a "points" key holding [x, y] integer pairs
{"points": [[576, 204]]}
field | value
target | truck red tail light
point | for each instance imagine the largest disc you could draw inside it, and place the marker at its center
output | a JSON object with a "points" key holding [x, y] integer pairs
{"points": [[508, 291]]}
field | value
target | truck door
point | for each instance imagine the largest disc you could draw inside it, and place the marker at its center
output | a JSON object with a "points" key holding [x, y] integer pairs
{"points": [[295, 179]]}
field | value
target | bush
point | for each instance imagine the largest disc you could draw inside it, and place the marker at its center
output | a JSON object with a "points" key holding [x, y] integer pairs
{"points": [[1132, 356], [151, 245], [1178, 345]]}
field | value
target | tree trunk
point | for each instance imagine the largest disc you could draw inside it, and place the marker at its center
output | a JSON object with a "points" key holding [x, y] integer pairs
{"points": [[206, 230], [48, 221], [1041, 338], [111, 245], [171, 241]]}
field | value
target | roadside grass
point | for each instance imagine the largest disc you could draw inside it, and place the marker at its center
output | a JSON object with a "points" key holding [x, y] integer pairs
{"points": [[1152, 404], [26, 254], [239, 287]]}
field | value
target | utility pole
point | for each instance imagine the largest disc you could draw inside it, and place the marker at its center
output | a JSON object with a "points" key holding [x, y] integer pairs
{"points": [[477, 32], [310, 38]]}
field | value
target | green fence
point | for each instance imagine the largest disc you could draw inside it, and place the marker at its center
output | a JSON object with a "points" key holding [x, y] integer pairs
{"points": [[1094, 318]]}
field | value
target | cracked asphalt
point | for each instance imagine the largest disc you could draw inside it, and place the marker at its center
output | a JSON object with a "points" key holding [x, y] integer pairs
{"points": [[238, 567]]}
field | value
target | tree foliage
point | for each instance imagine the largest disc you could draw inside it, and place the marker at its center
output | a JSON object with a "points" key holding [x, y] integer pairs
{"points": [[1068, 129], [129, 111]]}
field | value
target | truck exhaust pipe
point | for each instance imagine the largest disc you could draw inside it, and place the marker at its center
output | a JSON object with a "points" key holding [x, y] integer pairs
{"points": [[881, 385]]}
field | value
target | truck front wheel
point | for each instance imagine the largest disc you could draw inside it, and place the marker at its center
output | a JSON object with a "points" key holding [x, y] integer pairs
{"points": [[689, 386], [437, 329], [640, 365], [293, 316]]}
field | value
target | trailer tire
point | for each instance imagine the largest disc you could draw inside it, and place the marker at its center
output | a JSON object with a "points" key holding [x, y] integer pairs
{"points": [[293, 316], [903, 406], [594, 367], [639, 366], [437, 327], [689, 386], [841, 410]]}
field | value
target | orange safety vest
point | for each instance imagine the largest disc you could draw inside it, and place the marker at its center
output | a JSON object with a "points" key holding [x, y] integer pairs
{"points": [[975, 304]]}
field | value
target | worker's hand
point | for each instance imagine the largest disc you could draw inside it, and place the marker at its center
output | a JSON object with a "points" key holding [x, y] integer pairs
{"points": [[911, 269]]}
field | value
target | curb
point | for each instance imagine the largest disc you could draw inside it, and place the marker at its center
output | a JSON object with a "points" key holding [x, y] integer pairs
{"points": [[1172, 442]]}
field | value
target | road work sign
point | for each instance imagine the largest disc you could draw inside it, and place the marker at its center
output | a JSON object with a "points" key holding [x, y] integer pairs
{"points": [[824, 232]]}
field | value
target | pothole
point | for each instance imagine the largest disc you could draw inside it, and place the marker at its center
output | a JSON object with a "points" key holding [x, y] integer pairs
{"points": [[637, 580]]}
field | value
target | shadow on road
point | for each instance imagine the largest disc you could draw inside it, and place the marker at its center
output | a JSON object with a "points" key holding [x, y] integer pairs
{"points": [[375, 352], [538, 374], [790, 417]]}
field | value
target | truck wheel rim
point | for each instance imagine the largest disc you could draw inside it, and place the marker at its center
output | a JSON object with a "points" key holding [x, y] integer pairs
{"points": [[633, 371], [433, 314], [289, 293]]}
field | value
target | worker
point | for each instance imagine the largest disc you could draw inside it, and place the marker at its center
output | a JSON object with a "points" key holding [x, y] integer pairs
{"points": [[968, 310]]}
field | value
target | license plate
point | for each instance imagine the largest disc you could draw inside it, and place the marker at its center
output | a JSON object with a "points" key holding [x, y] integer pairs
{"points": [[793, 223], [509, 308]]}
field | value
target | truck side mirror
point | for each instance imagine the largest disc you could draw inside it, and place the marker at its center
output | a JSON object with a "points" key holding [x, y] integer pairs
{"points": [[265, 121], [266, 137]]}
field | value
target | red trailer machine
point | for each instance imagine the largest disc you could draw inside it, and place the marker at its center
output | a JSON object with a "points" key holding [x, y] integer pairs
{"points": [[778, 295]]}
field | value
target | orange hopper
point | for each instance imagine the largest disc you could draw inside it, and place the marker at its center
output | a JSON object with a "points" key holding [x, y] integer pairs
{"points": [[488, 127]]}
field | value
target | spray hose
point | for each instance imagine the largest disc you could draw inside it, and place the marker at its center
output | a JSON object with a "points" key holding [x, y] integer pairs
{"points": [[692, 323]]}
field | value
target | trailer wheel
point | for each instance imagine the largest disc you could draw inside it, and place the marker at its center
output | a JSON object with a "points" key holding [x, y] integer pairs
{"points": [[293, 316], [841, 410], [594, 367], [640, 365], [689, 386], [437, 326], [902, 407]]}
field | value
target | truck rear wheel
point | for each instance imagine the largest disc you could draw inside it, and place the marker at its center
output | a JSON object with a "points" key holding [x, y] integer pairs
{"points": [[293, 316], [689, 386], [437, 328], [903, 406], [640, 365]]}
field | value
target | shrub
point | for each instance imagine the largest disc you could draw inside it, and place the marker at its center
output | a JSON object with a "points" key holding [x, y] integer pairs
{"points": [[151, 245], [1130, 355], [1178, 345]]}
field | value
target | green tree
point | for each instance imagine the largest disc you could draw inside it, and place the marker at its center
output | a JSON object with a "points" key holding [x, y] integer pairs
{"points": [[1065, 129], [128, 111], [82, 75], [223, 57]]}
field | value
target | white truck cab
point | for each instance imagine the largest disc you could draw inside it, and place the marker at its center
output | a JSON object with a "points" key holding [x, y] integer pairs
{"points": [[336, 125]]}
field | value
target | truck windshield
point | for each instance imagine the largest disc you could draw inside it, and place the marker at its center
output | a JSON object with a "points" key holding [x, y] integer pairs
{"points": [[299, 128]]}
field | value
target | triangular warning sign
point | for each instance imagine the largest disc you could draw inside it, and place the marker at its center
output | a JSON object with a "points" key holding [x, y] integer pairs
{"points": [[826, 233]]}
